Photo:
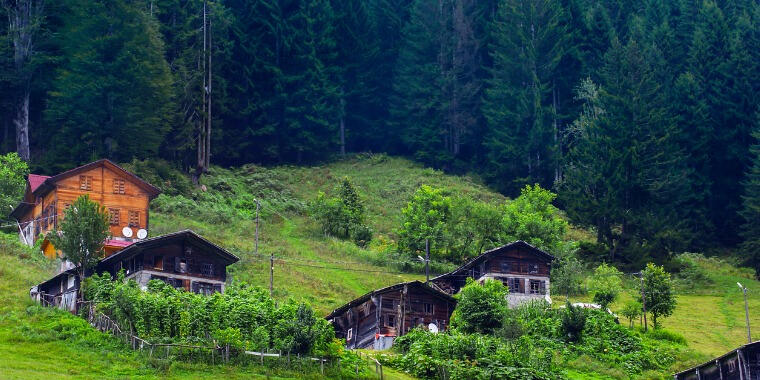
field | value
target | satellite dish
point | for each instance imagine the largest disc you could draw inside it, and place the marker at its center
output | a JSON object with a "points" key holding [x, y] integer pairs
{"points": [[127, 232], [433, 328], [142, 233]]}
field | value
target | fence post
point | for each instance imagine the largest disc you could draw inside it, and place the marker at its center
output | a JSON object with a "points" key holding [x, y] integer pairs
{"points": [[322, 365]]}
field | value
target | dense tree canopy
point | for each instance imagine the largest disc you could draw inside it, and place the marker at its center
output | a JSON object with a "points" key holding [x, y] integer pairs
{"points": [[638, 114]]}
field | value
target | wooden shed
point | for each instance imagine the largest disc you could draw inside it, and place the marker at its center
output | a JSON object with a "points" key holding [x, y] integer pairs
{"points": [[376, 318]]}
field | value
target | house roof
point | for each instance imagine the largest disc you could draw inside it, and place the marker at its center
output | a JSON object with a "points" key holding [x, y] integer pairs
{"points": [[519, 243], [40, 185], [35, 180], [712, 361], [184, 235], [417, 284]]}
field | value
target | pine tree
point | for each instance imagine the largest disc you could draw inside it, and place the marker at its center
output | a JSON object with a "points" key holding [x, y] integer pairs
{"points": [[626, 171], [112, 96], [751, 203], [527, 45], [436, 82]]}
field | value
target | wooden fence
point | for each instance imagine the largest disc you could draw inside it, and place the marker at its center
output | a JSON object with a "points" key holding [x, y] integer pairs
{"points": [[104, 323]]}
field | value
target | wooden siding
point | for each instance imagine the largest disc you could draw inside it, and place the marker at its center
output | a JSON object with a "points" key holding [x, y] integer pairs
{"points": [[392, 313], [126, 196]]}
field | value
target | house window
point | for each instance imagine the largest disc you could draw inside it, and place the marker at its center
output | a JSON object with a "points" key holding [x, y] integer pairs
{"points": [[350, 334], [390, 320], [207, 269], [71, 283], [505, 267], [514, 285], [114, 216], [85, 182], [180, 265], [118, 186], [732, 365], [533, 268], [428, 308], [536, 287], [388, 303], [134, 218]]}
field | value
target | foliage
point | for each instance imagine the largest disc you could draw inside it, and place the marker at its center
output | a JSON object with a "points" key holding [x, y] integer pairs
{"points": [[658, 293], [424, 218], [573, 322], [83, 231], [430, 356], [632, 311], [244, 316], [13, 172], [342, 216], [606, 284], [567, 276], [532, 218], [480, 308]]}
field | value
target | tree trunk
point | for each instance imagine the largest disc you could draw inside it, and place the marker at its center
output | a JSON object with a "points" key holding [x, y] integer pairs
{"points": [[23, 20], [21, 122]]}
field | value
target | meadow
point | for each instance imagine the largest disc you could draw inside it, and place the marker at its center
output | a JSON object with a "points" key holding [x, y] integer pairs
{"points": [[309, 266]]}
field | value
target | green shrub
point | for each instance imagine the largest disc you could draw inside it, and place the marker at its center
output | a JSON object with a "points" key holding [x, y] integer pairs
{"points": [[244, 316], [480, 308], [342, 216], [573, 322], [662, 334]]}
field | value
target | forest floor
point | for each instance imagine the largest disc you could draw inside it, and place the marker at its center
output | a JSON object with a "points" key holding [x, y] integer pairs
{"points": [[324, 271]]}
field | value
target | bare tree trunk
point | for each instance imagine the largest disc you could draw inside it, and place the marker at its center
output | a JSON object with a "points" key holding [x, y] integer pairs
{"points": [[24, 18], [21, 122], [207, 162]]}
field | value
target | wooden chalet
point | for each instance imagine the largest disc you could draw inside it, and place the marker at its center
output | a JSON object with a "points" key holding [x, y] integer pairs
{"points": [[742, 363], [375, 319], [182, 259], [124, 195], [520, 266]]}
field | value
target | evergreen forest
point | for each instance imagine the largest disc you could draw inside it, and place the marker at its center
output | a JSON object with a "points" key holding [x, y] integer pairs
{"points": [[642, 115]]}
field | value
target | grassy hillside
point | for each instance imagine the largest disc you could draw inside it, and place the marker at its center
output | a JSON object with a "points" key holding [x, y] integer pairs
{"points": [[321, 270], [225, 213]]}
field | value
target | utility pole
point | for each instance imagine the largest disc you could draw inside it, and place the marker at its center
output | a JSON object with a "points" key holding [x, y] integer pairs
{"points": [[256, 249], [746, 311], [643, 300]]}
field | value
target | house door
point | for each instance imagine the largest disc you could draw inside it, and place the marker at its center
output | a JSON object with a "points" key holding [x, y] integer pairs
{"points": [[186, 284]]}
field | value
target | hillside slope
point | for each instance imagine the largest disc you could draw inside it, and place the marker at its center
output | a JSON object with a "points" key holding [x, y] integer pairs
{"points": [[310, 266], [322, 270]]}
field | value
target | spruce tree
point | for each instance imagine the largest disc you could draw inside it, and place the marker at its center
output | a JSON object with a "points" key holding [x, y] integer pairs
{"points": [[751, 204], [527, 43], [112, 96], [625, 171]]}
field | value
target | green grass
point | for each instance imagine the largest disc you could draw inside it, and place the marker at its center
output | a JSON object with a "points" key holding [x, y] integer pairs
{"points": [[710, 317]]}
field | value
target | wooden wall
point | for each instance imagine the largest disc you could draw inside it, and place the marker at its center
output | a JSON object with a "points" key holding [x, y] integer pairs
{"points": [[101, 190]]}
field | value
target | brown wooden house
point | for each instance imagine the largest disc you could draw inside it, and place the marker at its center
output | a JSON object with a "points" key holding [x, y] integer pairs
{"points": [[182, 259], [520, 266], [124, 195], [375, 319], [742, 363]]}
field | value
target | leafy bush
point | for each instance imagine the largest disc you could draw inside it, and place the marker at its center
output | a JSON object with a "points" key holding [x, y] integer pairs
{"points": [[573, 322], [606, 284], [690, 276], [244, 316], [480, 308], [342, 216], [632, 310], [532, 218], [13, 172], [662, 334], [461, 356], [658, 292]]}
